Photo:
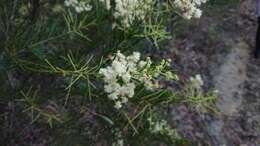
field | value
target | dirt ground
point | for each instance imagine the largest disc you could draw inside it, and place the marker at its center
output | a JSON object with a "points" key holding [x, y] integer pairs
{"points": [[219, 47]]}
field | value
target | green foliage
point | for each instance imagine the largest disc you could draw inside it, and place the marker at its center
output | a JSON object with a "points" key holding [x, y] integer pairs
{"points": [[50, 57]]}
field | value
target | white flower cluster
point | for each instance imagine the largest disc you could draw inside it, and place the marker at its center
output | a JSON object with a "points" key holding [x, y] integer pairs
{"points": [[163, 128], [79, 6], [120, 71], [129, 10], [196, 81], [190, 8], [118, 77]]}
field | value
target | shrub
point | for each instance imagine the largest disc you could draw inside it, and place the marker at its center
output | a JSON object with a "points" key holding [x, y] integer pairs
{"points": [[78, 66]]}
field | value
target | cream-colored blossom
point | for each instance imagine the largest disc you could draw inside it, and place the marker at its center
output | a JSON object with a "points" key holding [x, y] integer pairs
{"points": [[78, 6], [197, 81], [118, 105], [125, 71], [190, 8]]}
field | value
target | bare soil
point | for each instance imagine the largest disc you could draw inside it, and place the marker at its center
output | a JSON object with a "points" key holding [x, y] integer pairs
{"points": [[219, 47]]}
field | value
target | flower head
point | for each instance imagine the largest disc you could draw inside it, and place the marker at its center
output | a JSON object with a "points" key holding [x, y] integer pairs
{"points": [[79, 6], [118, 76], [190, 8]]}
